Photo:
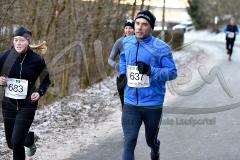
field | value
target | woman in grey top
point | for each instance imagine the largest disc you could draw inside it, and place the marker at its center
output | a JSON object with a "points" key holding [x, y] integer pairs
{"points": [[121, 81]]}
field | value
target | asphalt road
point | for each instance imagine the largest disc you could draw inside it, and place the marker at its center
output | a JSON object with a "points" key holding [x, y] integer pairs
{"points": [[214, 137]]}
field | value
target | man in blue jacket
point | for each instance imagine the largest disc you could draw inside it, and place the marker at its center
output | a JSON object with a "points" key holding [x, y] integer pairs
{"points": [[146, 64]]}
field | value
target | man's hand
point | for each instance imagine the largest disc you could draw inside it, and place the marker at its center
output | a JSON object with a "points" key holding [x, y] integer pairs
{"points": [[121, 81], [143, 68]]}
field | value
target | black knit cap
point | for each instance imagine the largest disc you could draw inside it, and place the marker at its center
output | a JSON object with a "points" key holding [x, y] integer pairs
{"points": [[130, 23], [146, 14], [23, 32]]}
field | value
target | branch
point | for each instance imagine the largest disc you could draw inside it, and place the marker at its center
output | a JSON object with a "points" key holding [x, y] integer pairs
{"points": [[5, 15]]}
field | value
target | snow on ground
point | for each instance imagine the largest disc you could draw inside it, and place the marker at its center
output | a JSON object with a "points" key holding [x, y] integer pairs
{"points": [[90, 115], [206, 35], [71, 124]]}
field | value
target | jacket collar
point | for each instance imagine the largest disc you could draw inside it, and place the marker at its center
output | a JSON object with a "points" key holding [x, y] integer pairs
{"points": [[145, 40], [21, 55]]}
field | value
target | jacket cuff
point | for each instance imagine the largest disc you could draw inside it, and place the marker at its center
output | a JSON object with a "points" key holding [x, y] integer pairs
{"points": [[41, 92]]}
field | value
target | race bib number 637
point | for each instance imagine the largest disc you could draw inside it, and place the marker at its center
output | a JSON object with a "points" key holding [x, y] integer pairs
{"points": [[135, 79]]}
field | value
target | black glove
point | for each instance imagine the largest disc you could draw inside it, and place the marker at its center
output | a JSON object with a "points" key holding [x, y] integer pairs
{"points": [[121, 81], [143, 68]]}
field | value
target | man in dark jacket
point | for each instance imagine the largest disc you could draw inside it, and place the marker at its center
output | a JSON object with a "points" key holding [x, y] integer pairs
{"points": [[231, 31]]}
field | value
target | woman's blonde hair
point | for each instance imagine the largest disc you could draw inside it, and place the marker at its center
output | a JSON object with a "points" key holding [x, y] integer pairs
{"points": [[40, 47]]}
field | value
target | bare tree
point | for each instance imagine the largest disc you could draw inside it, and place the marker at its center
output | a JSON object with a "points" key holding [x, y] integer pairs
{"points": [[70, 28]]}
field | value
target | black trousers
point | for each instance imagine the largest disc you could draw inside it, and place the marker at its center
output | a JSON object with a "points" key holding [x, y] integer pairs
{"points": [[120, 88], [229, 45], [132, 119], [16, 124]]}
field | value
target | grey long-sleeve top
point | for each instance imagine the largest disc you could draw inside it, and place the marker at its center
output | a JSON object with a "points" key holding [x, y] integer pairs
{"points": [[114, 53]]}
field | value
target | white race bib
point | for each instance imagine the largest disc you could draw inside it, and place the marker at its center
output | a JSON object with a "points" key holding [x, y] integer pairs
{"points": [[135, 79], [16, 88], [230, 35]]}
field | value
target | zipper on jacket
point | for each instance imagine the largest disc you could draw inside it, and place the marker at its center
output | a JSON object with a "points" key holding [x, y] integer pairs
{"points": [[21, 66], [20, 75], [136, 65]]}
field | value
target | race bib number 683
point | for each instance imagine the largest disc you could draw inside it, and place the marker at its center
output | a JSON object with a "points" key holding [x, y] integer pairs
{"points": [[16, 88]]}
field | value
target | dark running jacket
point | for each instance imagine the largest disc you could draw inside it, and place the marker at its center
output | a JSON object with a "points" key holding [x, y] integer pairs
{"points": [[231, 29], [32, 67]]}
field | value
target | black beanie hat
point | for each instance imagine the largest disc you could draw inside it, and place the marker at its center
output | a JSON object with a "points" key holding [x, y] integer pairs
{"points": [[146, 14], [23, 32], [130, 23]]}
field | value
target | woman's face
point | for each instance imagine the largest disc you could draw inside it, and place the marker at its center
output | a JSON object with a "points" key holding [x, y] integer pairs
{"points": [[20, 44], [128, 30]]}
